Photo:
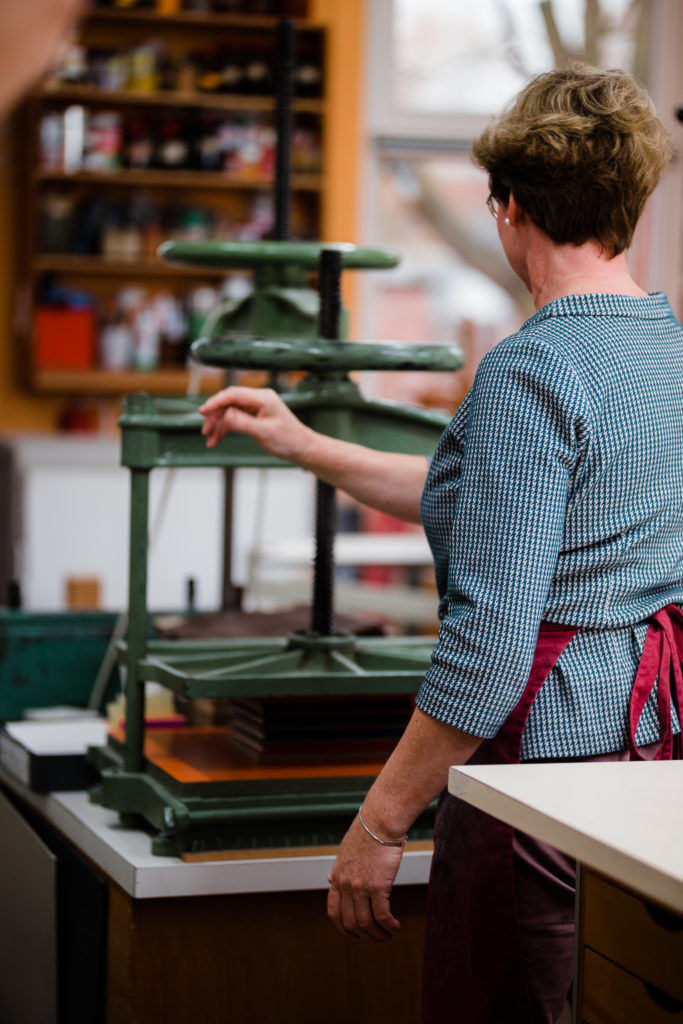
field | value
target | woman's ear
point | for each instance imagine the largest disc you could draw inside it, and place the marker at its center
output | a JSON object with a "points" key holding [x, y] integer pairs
{"points": [[514, 214]]}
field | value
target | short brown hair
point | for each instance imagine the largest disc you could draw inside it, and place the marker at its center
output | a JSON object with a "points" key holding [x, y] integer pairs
{"points": [[581, 149]]}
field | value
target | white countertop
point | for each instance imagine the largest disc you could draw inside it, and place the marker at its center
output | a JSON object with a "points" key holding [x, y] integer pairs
{"points": [[124, 854], [623, 820]]}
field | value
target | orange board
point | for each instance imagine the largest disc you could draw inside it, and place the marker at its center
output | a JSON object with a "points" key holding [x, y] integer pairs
{"points": [[205, 754]]}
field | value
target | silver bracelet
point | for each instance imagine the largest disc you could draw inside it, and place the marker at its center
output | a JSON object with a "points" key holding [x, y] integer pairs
{"points": [[382, 842]]}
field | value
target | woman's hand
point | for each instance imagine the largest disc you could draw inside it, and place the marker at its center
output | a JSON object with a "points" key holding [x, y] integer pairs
{"points": [[260, 413], [387, 481], [364, 871], [360, 885]]}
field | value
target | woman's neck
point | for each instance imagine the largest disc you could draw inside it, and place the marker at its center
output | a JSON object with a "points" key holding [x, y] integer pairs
{"points": [[557, 270]]}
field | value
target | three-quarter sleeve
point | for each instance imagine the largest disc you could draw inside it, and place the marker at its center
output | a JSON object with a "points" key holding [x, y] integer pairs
{"points": [[525, 423]]}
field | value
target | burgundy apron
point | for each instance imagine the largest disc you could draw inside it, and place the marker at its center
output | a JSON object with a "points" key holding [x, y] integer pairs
{"points": [[474, 971]]}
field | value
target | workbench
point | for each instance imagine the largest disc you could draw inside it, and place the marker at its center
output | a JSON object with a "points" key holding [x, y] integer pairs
{"points": [[623, 824], [241, 939]]}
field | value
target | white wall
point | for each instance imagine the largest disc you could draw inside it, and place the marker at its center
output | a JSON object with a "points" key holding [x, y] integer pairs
{"points": [[74, 521]]}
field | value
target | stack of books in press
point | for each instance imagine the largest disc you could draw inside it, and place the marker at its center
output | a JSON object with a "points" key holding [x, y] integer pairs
{"points": [[334, 727]]}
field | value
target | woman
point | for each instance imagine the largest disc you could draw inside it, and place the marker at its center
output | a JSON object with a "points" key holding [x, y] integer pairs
{"points": [[554, 509]]}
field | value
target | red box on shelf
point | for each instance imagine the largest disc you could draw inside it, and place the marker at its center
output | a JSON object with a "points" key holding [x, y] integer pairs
{"points": [[64, 339]]}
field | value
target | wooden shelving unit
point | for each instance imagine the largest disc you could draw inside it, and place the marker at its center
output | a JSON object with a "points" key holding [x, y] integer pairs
{"points": [[229, 194]]}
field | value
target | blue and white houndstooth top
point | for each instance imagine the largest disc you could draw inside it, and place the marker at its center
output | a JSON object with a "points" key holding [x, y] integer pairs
{"points": [[556, 493]]}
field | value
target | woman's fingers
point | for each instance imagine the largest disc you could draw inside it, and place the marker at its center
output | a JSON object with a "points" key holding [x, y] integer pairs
{"points": [[250, 399], [367, 922], [382, 916], [354, 914], [232, 419], [334, 908], [258, 412], [234, 408]]}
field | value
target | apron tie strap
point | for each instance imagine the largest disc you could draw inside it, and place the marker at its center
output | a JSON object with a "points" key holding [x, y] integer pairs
{"points": [[660, 664]]}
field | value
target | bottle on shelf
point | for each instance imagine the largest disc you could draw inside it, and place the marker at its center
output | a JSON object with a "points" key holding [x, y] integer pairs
{"points": [[73, 64], [173, 149], [233, 73], [55, 222], [258, 79], [104, 141], [139, 144], [208, 146], [51, 144], [210, 71], [109, 69], [308, 78], [144, 63], [182, 74]]}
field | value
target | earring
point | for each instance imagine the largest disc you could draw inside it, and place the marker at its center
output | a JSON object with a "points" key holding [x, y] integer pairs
{"points": [[507, 221]]}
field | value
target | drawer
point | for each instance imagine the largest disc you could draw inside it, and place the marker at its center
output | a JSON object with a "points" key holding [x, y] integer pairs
{"points": [[613, 996], [632, 932]]}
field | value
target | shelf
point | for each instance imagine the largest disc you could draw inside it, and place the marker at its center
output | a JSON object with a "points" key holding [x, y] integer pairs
{"points": [[84, 94], [120, 382], [195, 19], [175, 179], [101, 266]]}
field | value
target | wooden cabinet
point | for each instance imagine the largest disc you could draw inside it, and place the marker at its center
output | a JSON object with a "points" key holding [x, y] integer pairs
{"points": [[630, 957], [155, 126], [240, 940], [259, 957]]}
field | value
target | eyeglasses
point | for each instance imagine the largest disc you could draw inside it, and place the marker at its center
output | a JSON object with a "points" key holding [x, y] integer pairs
{"points": [[493, 205]]}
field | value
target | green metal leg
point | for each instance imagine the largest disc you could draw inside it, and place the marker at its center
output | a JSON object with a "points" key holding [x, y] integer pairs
{"points": [[137, 618]]}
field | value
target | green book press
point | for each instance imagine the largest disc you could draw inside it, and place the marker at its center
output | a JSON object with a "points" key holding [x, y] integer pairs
{"points": [[283, 325]]}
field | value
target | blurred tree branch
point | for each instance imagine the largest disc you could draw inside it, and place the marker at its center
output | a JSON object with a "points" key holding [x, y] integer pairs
{"points": [[488, 259], [561, 55]]}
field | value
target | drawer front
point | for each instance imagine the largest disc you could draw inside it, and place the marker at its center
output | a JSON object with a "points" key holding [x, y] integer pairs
{"points": [[634, 933], [613, 996]]}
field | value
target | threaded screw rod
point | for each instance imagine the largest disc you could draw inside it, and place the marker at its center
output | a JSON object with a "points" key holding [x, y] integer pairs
{"points": [[322, 611]]}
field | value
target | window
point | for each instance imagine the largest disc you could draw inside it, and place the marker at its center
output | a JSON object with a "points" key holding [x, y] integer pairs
{"points": [[445, 70]]}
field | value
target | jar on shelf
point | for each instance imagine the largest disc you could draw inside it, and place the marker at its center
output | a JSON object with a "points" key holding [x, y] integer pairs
{"points": [[144, 62], [104, 141], [51, 146], [55, 222]]}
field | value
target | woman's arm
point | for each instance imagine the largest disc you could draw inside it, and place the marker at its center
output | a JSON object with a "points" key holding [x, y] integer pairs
{"points": [[364, 871], [386, 481]]}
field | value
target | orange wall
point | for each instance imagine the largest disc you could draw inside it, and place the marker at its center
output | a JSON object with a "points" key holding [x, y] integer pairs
{"points": [[343, 20], [21, 411]]}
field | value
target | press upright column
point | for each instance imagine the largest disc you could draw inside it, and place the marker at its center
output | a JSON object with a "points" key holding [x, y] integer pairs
{"points": [[322, 613], [137, 619]]}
